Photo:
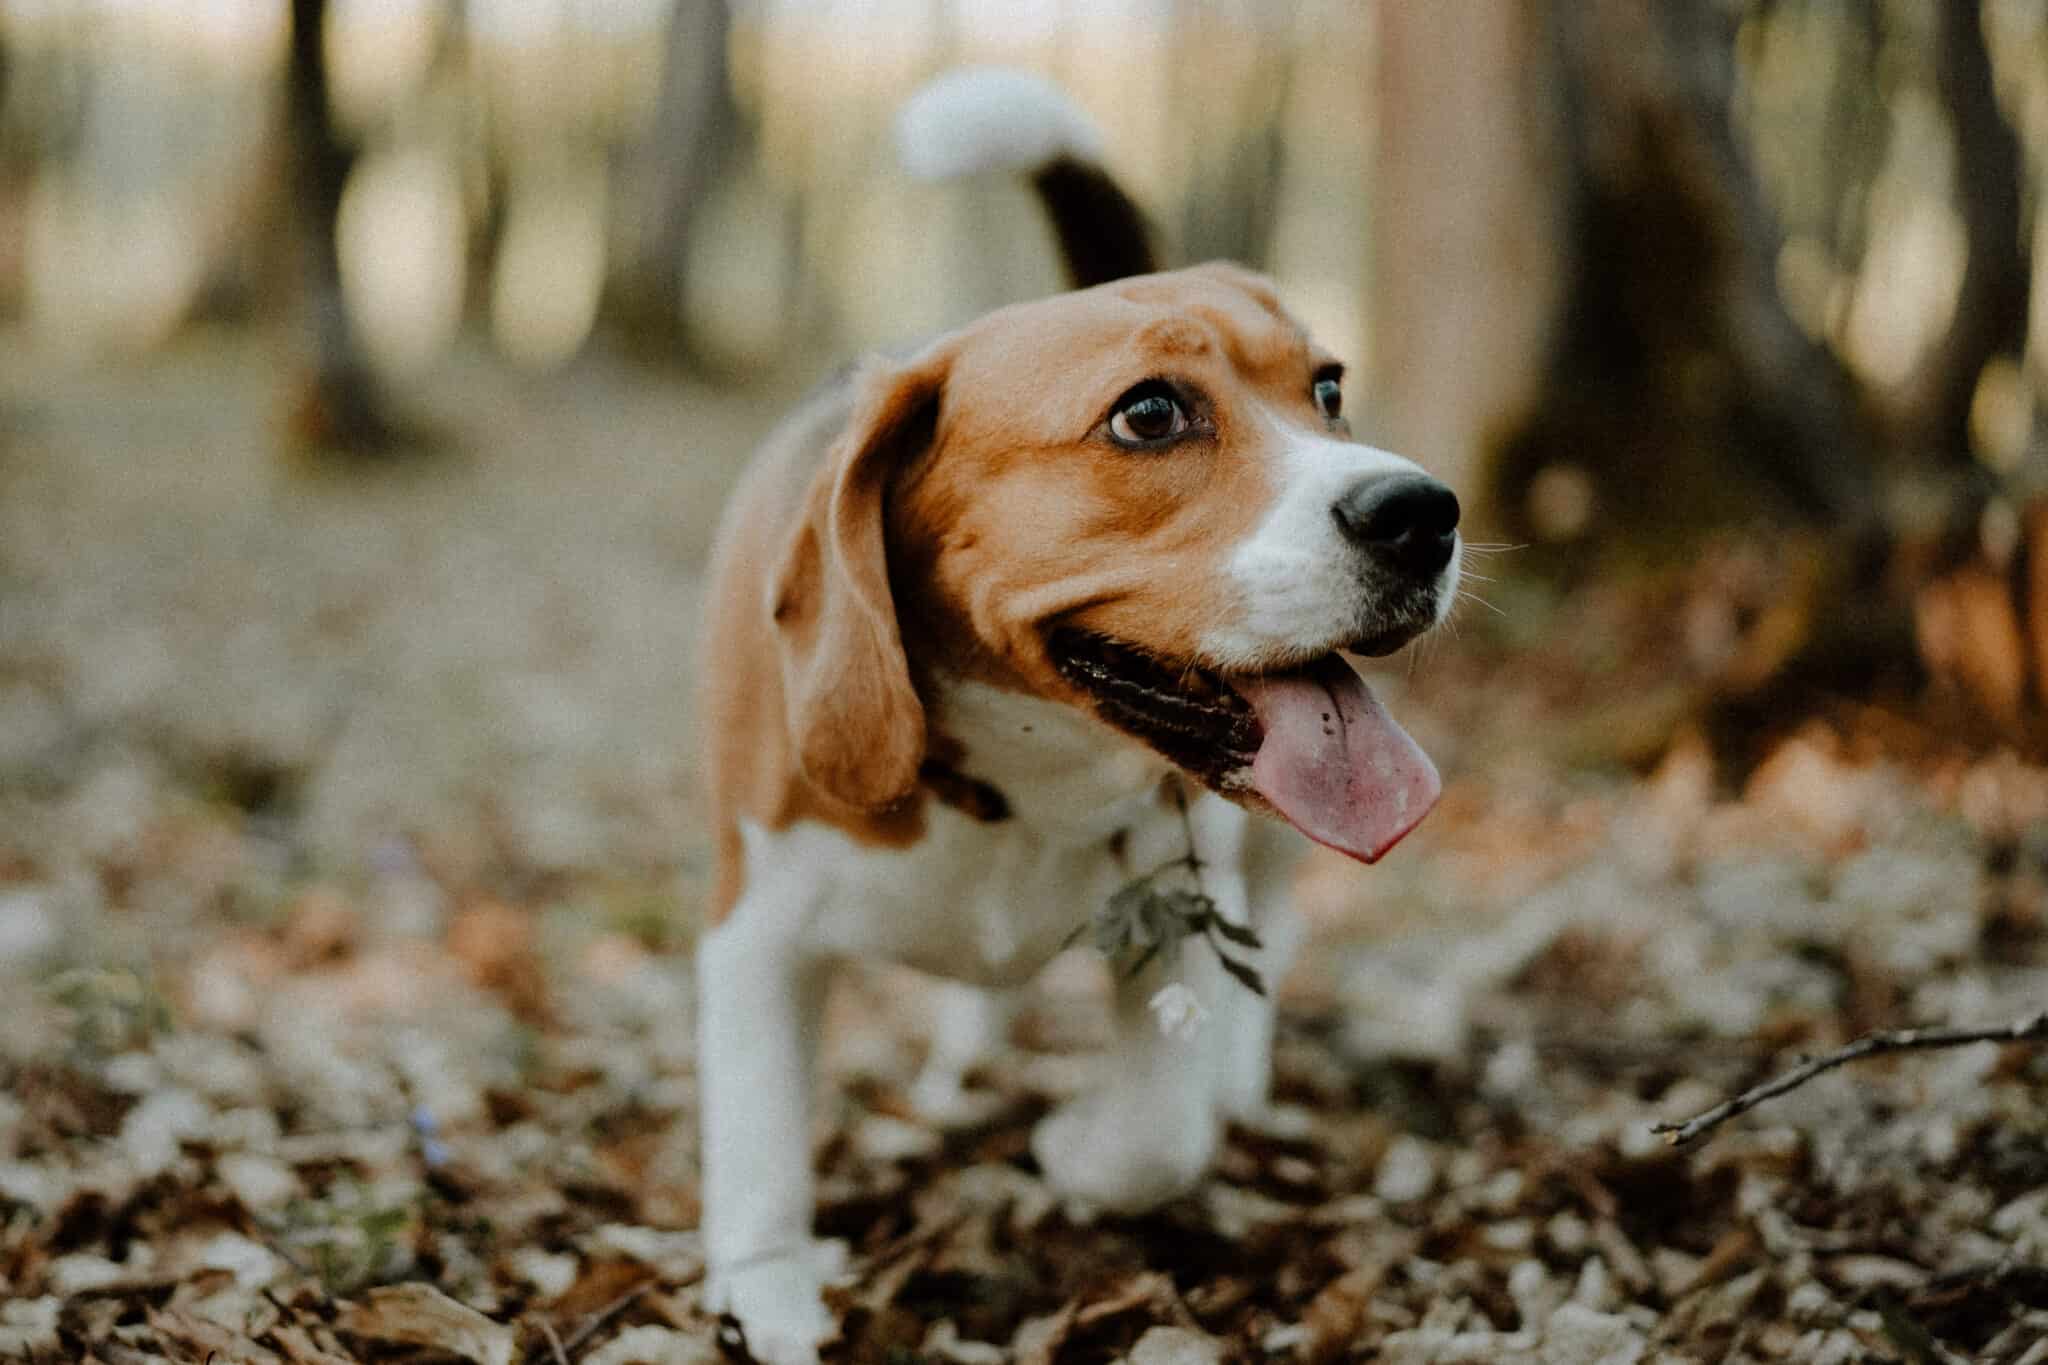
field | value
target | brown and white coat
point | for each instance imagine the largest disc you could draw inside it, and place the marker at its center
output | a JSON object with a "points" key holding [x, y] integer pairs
{"points": [[982, 622]]}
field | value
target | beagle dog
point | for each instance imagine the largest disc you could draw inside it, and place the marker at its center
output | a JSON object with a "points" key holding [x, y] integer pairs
{"points": [[996, 626]]}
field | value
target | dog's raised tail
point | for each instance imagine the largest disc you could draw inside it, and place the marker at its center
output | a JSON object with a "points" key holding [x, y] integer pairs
{"points": [[994, 118]]}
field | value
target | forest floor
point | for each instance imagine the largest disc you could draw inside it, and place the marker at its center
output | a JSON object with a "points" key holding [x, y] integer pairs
{"points": [[349, 865]]}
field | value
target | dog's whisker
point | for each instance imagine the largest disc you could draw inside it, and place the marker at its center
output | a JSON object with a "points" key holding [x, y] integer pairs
{"points": [[1429, 646], [1475, 597]]}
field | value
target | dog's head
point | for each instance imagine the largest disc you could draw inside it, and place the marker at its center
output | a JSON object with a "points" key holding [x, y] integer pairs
{"points": [[1142, 500]]}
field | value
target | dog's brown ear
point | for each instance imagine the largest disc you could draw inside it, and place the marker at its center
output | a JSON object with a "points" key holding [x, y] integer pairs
{"points": [[855, 720]]}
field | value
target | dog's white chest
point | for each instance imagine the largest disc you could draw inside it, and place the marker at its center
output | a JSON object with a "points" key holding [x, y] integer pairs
{"points": [[979, 902], [986, 901]]}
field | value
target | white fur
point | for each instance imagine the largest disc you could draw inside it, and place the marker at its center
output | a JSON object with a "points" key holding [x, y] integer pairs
{"points": [[967, 1027], [991, 903], [1296, 573], [1061, 770], [760, 995], [990, 118], [988, 903]]}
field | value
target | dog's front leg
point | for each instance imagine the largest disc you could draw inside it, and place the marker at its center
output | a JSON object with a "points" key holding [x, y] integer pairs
{"points": [[968, 1026], [759, 1004], [1260, 897], [1151, 1130]]}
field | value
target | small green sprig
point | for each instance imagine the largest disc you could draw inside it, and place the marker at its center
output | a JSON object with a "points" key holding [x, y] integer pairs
{"points": [[1155, 913], [113, 1009], [355, 1241]]}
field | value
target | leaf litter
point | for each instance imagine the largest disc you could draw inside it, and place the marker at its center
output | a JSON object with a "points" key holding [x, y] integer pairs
{"points": [[344, 925]]}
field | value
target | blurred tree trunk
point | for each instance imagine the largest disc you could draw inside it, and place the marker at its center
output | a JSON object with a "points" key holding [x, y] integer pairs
{"points": [[1674, 353], [1933, 413], [1982, 624], [1577, 314], [1576, 270], [1238, 151], [1643, 349], [689, 146], [1587, 281], [1470, 256], [342, 407]]}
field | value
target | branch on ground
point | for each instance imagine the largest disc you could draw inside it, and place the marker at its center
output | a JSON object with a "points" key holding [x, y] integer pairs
{"points": [[2028, 1030]]}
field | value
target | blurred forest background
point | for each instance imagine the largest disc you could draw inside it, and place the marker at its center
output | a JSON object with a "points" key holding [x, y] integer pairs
{"points": [[371, 375], [1619, 271]]}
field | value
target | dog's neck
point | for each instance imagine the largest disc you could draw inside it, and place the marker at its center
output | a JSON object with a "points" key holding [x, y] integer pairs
{"points": [[1067, 775]]}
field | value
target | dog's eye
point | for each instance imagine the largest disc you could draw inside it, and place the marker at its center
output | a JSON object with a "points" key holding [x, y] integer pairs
{"points": [[1328, 391], [1147, 416]]}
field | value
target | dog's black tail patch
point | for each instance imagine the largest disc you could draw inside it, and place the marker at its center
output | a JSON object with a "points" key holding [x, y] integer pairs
{"points": [[1102, 233], [980, 119]]}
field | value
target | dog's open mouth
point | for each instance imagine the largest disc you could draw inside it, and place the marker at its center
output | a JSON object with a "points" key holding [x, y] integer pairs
{"points": [[1313, 743]]}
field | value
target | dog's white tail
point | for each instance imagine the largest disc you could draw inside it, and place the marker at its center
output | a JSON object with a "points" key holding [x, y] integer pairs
{"points": [[993, 118]]}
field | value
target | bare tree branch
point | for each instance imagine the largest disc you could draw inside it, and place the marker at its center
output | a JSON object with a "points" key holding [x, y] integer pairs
{"points": [[2031, 1029]]}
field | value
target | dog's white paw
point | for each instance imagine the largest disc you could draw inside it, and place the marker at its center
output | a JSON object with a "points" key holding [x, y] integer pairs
{"points": [[1244, 1090], [1120, 1156], [779, 1302]]}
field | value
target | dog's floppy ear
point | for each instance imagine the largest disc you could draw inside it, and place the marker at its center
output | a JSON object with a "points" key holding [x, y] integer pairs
{"points": [[855, 720]]}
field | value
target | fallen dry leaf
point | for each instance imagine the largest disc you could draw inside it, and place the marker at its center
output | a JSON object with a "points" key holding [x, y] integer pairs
{"points": [[421, 1315]]}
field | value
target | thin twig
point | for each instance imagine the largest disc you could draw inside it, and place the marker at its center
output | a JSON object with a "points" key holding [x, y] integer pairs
{"points": [[592, 1325], [597, 1320], [2031, 1029]]}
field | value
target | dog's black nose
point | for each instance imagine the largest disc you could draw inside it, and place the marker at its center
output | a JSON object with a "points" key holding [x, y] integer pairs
{"points": [[1404, 519]]}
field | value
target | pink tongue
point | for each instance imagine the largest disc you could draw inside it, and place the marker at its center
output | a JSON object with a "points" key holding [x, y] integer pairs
{"points": [[1335, 763]]}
